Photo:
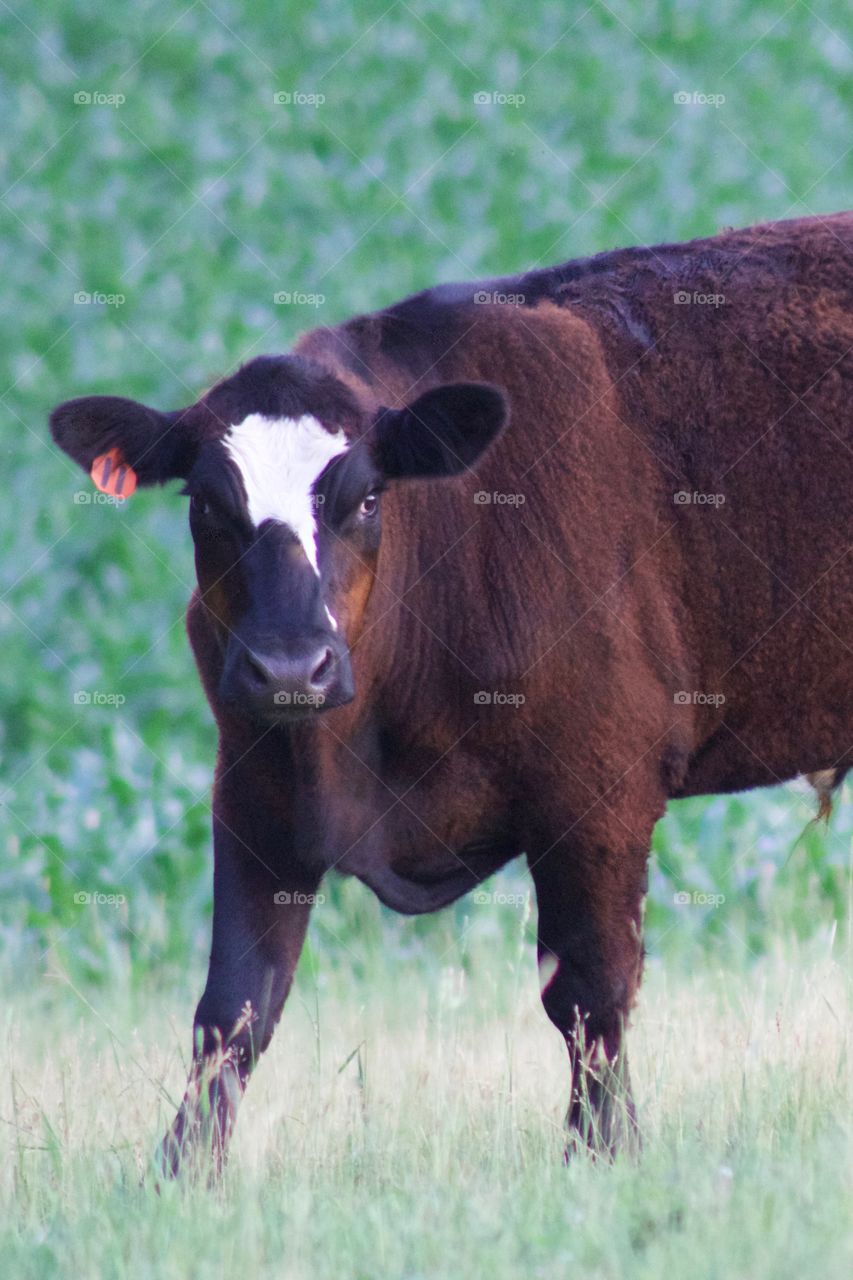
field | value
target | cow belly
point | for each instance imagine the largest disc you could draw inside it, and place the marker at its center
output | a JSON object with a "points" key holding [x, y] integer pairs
{"points": [[420, 864], [739, 757], [412, 889]]}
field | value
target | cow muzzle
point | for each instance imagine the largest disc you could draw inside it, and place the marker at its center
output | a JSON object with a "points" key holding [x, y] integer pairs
{"points": [[276, 683]]}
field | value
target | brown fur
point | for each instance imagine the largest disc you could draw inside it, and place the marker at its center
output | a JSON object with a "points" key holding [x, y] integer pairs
{"points": [[601, 599]]}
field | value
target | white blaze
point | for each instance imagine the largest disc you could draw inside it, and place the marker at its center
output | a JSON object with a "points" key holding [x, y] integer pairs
{"points": [[280, 460]]}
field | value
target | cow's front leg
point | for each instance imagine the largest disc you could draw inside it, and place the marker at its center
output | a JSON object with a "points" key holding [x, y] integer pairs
{"points": [[260, 914], [590, 960]]}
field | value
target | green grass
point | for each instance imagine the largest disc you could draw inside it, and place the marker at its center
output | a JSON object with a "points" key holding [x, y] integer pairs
{"points": [[417, 1133], [197, 200]]}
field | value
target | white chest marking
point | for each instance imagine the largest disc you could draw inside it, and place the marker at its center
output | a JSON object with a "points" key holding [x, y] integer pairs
{"points": [[280, 459]]}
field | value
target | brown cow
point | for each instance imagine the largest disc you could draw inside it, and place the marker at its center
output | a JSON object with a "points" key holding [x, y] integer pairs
{"points": [[641, 590]]}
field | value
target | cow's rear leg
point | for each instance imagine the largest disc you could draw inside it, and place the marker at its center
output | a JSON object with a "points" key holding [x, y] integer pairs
{"points": [[590, 958], [260, 915]]}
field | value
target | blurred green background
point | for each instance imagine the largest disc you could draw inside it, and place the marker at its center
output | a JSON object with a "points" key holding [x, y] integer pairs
{"points": [[191, 163]]}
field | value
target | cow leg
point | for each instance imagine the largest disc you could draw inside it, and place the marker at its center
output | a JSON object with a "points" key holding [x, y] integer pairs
{"points": [[590, 959], [259, 922]]}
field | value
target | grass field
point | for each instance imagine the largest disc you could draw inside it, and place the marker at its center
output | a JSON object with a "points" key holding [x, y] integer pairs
{"points": [[416, 1133], [183, 188]]}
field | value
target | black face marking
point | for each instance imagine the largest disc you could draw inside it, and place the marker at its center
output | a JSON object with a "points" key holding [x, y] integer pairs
{"points": [[344, 485], [214, 483], [283, 387]]}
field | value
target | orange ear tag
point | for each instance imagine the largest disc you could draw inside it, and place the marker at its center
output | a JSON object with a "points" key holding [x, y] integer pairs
{"points": [[111, 474]]}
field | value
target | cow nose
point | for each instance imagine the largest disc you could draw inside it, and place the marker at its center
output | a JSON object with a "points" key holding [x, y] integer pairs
{"points": [[323, 668], [306, 673], [274, 681], [277, 681]]}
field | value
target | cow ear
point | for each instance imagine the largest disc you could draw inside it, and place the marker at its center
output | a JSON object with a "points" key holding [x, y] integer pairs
{"points": [[121, 442], [441, 433]]}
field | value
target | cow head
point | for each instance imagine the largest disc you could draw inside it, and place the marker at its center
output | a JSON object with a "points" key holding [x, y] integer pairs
{"points": [[284, 467]]}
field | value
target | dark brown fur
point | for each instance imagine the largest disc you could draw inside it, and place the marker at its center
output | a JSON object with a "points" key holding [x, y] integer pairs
{"points": [[601, 599]]}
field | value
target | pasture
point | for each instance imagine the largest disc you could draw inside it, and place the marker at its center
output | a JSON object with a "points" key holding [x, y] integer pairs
{"points": [[182, 190], [413, 1128]]}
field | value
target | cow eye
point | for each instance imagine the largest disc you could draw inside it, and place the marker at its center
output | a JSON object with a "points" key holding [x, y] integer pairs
{"points": [[369, 507], [199, 505]]}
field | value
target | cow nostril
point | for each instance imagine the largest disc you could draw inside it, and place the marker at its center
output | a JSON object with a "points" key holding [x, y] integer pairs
{"points": [[259, 673], [323, 667]]}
